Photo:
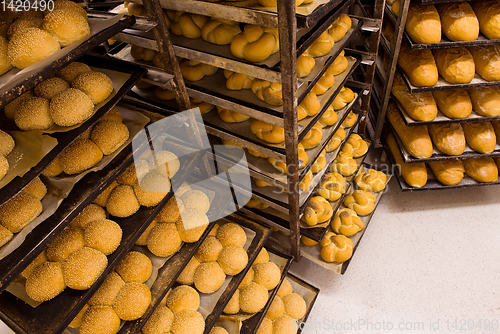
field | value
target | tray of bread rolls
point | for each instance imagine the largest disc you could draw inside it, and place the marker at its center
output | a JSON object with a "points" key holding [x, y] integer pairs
{"points": [[82, 119], [349, 222], [46, 58], [85, 263]]}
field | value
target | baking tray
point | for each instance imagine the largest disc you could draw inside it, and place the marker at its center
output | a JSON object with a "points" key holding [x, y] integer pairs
{"points": [[64, 139], [54, 315], [9, 93]]}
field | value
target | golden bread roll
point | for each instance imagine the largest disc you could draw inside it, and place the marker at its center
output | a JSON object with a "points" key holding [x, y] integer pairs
{"points": [[285, 324], [295, 305], [140, 53], [30, 46], [487, 60], [340, 27], [485, 100], [455, 65], [143, 239], [317, 211], [230, 116], [415, 174], [248, 277], [269, 92], [88, 214], [322, 45], [372, 180], [5, 236], [285, 288], [361, 202], [270, 133], [209, 250], [482, 169], [132, 301], [188, 322], [66, 26], [220, 31], [109, 135], [355, 145], [339, 65], [70, 5], [346, 221], [350, 120], [23, 24], [34, 114], [324, 83], [171, 211], [97, 85], [192, 225], [453, 103], [4, 166], [81, 155], [183, 297], [187, 274], [107, 292], [255, 43], [72, 70], [103, 235], [480, 136], [237, 81], [71, 107], [7, 143], [218, 330], [343, 98], [344, 164], [419, 66], [164, 94], [274, 3], [281, 165], [19, 211], [313, 137], [488, 15], [165, 163], [336, 248], [458, 21], [232, 259], [332, 187], [305, 64], [257, 153], [182, 189], [415, 139], [5, 64], [193, 70], [68, 241], [45, 282], [100, 319], [496, 127], [77, 320], [423, 24], [267, 274], [262, 257], [231, 234], [122, 202], [158, 61], [276, 309], [11, 108], [420, 106], [233, 306], [448, 138], [209, 277], [136, 170], [50, 87], [136, 9], [82, 268], [164, 240], [319, 163], [310, 106], [204, 106], [160, 321], [188, 25], [329, 117], [253, 297], [448, 172], [151, 198]]}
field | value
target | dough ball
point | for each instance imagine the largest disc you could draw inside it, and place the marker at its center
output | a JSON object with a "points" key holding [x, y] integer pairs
{"points": [[192, 225], [267, 274], [132, 301], [135, 267], [209, 277], [188, 322], [71, 107], [142, 241], [53, 169], [97, 85], [100, 320], [231, 234], [19, 211], [165, 162], [209, 250], [164, 240], [103, 197], [83, 267], [45, 282], [266, 327], [4, 166], [187, 274], [233, 259], [285, 288], [155, 182], [218, 330], [34, 114], [29, 46], [248, 278], [88, 214], [5, 64], [183, 297], [11, 108], [263, 256], [50, 87], [122, 202], [107, 292], [295, 305], [159, 322], [36, 188], [103, 235], [7, 143], [171, 211], [196, 199], [66, 26], [276, 308], [81, 155], [233, 306], [285, 325], [113, 115], [68, 241], [70, 5], [150, 198], [253, 298], [21, 25], [73, 70]]}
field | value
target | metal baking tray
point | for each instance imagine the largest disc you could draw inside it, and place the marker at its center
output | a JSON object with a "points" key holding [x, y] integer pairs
{"points": [[54, 315], [64, 139]]}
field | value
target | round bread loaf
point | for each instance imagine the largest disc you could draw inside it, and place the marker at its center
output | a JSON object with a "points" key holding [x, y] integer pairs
{"points": [[29, 46], [149, 198], [187, 274], [7, 143], [267, 274], [71, 107], [192, 225], [19, 211], [88, 214], [50, 87], [41, 258], [233, 259], [113, 115], [285, 325], [156, 183], [36, 188], [5, 64], [45, 282], [276, 309], [159, 322], [182, 298], [266, 327], [66, 26], [77, 320], [196, 199], [188, 322], [171, 211], [107, 292], [295, 305], [109, 135], [100, 320], [248, 278], [5, 234], [209, 250], [70, 5], [134, 267], [285, 288], [11, 108], [253, 298], [233, 306], [68, 241], [209, 277], [103, 197], [103, 235], [231, 234], [164, 240], [122, 202], [73, 70], [98, 86], [142, 241], [81, 155], [53, 169], [4, 166], [218, 330], [34, 114], [132, 301], [165, 162], [83, 267]]}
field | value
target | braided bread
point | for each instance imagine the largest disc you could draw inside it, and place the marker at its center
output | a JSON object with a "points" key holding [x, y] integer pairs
{"points": [[313, 137], [193, 70], [337, 138], [256, 153], [305, 64], [269, 92], [339, 27], [158, 61], [140, 53], [355, 145], [237, 81], [271, 133], [343, 98], [230, 144], [448, 172], [322, 45], [310, 106], [186, 24], [230, 116], [319, 163], [332, 187], [336, 248], [344, 164], [339, 65], [204, 106], [363, 202], [482, 169], [371, 179], [261, 183], [220, 31], [346, 222], [308, 242], [255, 43], [328, 118], [324, 83], [254, 204], [317, 211], [281, 165], [306, 181]]}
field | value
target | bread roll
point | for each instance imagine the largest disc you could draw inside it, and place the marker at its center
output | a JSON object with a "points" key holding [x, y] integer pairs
{"points": [[50, 87], [187, 274], [231, 234], [29, 46], [209, 277], [165, 162], [305, 64], [183, 297], [34, 114], [237, 81], [267, 274], [255, 43], [164, 240], [339, 65], [70, 5], [188, 25], [423, 24], [192, 225], [336, 248], [73, 70], [22, 24], [344, 164], [5, 64], [487, 60], [488, 14], [448, 138], [7, 143], [45, 282], [317, 211], [419, 66], [371, 179], [253, 298], [248, 278], [11, 108], [100, 320], [332, 187], [415, 139], [66, 26], [295, 305], [355, 145], [232, 259], [71, 107], [361, 202], [455, 65], [482, 169], [41, 258], [276, 309], [230, 116], [324, 83], [269, 92], [322, 45], [132, 301], [329, 117], [66, 243], [283, 325], [104, 235], [204, 106], [319, 163], [220, 31], [262, 257], [453, 103], [268, 132], [480, 136], [420, 106], [81, 155], [88, 214], [188, 322], [103, 197], [209, 250], [98, 86], [458, 21], [107, 292], [122, 202], [171, 211], [415, 174], [310, 105], [150, 198], [19, 211], [485, 100], [82, 268], [448, 172], [340, 27], [313, 137], [193, 70], [160, 321]]}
